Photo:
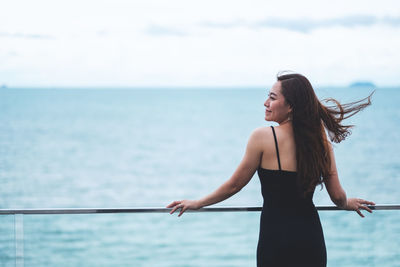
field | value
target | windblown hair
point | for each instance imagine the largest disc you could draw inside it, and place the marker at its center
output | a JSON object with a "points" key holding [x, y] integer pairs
{"points": [[310, 119]]}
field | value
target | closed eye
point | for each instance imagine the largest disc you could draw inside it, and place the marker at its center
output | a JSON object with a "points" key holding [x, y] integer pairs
{"points": [[272, 96]]}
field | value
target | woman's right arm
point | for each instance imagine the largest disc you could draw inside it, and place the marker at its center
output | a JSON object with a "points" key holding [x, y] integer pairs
{"points": [[337, 193], [239, 179]]}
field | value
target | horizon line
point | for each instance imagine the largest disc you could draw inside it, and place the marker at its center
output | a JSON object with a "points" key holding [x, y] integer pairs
{"points": [[182, 87]]}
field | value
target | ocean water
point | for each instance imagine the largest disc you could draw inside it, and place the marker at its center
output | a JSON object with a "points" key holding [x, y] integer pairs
{"points": [[147, 147]]}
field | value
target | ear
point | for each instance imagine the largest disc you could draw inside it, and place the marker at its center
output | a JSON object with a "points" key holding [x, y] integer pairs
{"points": [[290, 114], [289, 105]]}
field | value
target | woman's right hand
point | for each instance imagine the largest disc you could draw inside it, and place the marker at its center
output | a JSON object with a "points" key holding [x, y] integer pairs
{"points": [[358, 204]]}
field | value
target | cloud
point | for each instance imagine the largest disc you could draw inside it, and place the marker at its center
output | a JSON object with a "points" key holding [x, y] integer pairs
{"points": [[26, 36], [393, 21], [12, 54], [305, 25], [161, 30], [226, 25]]}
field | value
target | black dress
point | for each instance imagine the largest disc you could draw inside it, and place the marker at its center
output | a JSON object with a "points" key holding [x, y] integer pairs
{"points": [[290, 229]]}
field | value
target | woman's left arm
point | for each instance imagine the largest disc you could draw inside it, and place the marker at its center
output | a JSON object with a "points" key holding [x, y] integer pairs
{"points": [[239, 179]]}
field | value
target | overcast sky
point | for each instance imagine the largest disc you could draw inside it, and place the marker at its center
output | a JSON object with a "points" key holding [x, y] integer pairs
{"points": [[197, 43]]}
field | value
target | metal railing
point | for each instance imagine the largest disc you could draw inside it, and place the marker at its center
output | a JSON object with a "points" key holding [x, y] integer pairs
{"points": [[19, 217], [164, 210]]}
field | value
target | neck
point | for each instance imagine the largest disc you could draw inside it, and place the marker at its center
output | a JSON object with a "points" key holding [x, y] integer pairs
{"points": [[285, 121]]}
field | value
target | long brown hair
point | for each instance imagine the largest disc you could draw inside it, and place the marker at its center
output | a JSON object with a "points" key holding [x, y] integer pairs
{"points": [[310, 119]]}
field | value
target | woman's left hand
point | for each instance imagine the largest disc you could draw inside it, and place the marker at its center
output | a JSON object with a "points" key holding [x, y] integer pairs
{"points": [[184, 205], [358, 204]]}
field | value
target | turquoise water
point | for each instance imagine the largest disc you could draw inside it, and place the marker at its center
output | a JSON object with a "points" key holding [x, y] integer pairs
{"points": [[147, 147]]}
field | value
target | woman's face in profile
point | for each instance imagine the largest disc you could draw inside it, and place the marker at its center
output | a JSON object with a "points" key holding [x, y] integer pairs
{"points": [[276, 108]]}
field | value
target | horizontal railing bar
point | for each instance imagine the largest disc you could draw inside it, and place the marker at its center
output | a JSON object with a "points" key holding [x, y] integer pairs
{"points": [[162, 210]]}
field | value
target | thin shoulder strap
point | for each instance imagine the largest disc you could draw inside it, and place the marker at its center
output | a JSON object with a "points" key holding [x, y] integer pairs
{"points": [[276, 146]]}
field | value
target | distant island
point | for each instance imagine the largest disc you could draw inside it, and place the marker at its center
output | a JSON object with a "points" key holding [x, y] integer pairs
{"points": [[362, 84]]}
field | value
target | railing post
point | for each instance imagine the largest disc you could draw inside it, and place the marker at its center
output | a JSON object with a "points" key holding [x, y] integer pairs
{"points": [[19, 239]]}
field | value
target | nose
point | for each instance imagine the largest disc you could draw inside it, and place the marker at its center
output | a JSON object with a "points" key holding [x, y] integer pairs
{"points": [[266, 103]]}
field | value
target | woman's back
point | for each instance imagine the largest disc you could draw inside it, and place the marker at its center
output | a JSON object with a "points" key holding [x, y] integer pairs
{"points": [[290, 223], [287, 149]]}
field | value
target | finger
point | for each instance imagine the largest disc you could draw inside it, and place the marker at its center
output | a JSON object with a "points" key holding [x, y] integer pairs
{"points": [[172, 204], [359, 213], [174, 209], [363, 201], [366, 208], [367, 202], [182, 211]]}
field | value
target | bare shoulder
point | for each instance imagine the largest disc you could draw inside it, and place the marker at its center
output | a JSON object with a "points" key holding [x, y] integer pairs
{"points": [[284, 132], [260, 135], [262, 131]]}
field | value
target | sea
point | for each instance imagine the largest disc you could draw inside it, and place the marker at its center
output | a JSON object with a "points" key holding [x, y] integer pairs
{"points": [[146, 147]]}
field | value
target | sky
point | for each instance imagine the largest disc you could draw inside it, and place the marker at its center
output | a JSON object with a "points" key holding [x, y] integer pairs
{"points": [[147, 43]]}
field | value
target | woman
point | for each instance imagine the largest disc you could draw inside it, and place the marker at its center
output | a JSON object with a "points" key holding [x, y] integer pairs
{"points": [[291, 160]]}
